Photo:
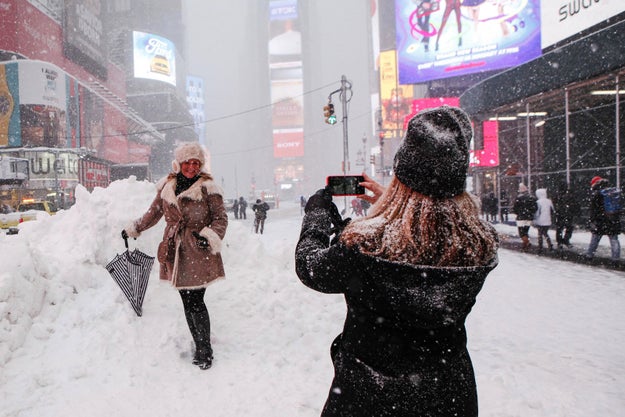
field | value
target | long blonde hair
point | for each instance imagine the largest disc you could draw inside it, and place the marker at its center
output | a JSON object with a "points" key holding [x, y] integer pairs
{"points": [[406, 226]]}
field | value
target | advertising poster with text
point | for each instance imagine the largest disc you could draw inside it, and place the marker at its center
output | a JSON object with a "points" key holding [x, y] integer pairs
{"points": [[439, 39], [394, 98]]}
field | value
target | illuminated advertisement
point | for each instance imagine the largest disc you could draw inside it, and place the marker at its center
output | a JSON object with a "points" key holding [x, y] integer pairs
{"points": [[154, 57], [287, 87], [440, 39], [288, 143], [428, 103], [9, 106], [395, 98], [195, 100], [288, 103], [489, 155]]}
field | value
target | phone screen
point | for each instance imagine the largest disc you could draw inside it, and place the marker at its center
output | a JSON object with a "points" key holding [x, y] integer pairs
{"points": [[346, 184]]}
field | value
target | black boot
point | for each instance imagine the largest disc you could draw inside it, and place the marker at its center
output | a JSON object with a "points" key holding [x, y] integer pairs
{"points": [[194, 333], [203, 357]]}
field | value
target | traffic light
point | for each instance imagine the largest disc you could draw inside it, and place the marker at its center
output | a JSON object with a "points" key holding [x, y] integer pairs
{"points": [[328, 112]]}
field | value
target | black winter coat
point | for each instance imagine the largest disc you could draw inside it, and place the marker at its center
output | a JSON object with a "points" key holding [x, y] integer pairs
{"points": [[600, 222], [260, 210], [525, 206], [567, 208], [403, 350]]}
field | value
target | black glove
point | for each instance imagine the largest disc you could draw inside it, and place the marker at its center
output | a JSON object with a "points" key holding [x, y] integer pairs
{"points": [[124, 235], [202, 242], [322, 199]]}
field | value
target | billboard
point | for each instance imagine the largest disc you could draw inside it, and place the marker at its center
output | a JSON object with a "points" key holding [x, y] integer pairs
{"points": [[195, 101], [561, 20], [154, 57], [9, 106], [83, 40], [288, 103], [287, 86], [440, 39], [428, 103], [288, 143], [395, 98], [488, 156]]}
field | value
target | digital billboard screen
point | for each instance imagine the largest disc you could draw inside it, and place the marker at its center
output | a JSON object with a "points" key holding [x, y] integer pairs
{"points": [[440, 39], [154, 57], [84, 40]]}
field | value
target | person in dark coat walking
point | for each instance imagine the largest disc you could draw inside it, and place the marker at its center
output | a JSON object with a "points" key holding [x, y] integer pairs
{"points": [[190, 253], [410, 272], [525, 208], [242, 208], [302, 204], [567, 209], [235, 208], [602, 223], [260, 215], [490, 206]]}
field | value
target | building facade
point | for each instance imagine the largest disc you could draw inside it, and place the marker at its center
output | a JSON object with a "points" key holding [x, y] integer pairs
{"points": [[73, 108]]}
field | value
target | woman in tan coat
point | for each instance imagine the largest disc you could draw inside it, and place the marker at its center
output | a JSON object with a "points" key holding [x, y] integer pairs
{"points": [[189, 254]]}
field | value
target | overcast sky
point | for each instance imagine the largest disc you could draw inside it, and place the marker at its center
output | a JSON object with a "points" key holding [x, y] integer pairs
{"points": [[226, 45]]}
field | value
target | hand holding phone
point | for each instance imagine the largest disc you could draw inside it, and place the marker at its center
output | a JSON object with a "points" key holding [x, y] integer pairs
{"points": [[340, 185]]}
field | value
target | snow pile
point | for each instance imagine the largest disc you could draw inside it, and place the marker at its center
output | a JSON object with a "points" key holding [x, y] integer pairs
{"points": [[546, 336]]}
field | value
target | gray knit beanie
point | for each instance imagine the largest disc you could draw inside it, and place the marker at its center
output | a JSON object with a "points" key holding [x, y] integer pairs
{"points": [[433, 159]]}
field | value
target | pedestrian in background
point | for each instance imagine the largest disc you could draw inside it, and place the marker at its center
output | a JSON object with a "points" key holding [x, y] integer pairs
{"points": [[242, 208], [602, 221], [543, 218], [410, 272], [302, 204], [260, 210], [492, 207], [190, 252], [567, 209], [524, 207], [235, 208], [504, 202]]}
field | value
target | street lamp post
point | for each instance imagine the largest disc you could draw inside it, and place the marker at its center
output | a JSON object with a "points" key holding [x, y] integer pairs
{"points": [[346, 87]]}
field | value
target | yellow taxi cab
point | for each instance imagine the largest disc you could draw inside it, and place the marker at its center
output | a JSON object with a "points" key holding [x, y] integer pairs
{"points": [[160, 64]]}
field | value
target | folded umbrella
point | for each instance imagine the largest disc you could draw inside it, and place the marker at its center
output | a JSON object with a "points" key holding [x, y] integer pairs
{"points": [[131, 271]]}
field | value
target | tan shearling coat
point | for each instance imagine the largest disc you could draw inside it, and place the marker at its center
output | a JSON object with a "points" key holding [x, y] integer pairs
{"points": [[198, 209]]}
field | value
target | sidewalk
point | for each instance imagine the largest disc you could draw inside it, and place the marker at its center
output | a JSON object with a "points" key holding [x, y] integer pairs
{"points": [[509, 239]]}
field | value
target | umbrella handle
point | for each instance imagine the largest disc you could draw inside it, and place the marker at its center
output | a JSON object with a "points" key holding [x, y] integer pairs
{"points": [[126, 242]]}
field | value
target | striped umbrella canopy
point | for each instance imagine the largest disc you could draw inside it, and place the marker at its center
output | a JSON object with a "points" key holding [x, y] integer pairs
{"points": [[131, 271]]}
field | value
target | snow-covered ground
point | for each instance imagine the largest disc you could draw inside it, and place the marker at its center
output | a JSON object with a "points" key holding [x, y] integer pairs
{"points": [[546, 336]]}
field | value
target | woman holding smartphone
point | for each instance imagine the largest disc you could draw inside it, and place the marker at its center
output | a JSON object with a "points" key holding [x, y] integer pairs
{"points": [[410, 272]]}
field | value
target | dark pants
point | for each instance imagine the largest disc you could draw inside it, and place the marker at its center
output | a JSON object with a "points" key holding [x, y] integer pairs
{"points": [[198, 319], [543, 233], [568, 232], [524, 231], [259, 223]]}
